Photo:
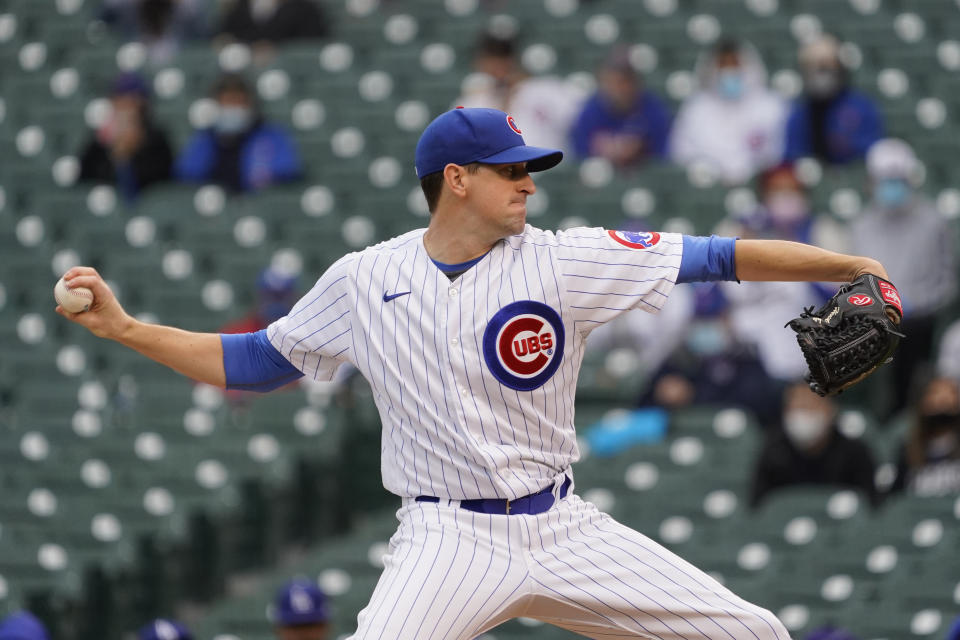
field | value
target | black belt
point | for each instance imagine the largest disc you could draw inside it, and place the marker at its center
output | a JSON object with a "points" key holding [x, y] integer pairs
{"points": [[532, 504]]}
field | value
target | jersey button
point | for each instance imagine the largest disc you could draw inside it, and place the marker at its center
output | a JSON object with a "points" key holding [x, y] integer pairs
{"points": [[464, 391], [453, 292], [454, 341]]}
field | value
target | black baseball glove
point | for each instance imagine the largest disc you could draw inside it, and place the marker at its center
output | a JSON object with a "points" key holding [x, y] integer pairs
{"points": [[851, 335]]}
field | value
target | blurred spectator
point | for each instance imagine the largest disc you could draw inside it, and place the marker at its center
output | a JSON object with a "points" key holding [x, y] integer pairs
{"points": [[164, 629], [651, 337], [948, 360], [758, 313], [809, 449], [544, 107], [276, 294], [300, 612], [22, 625], [128, 150], [623, 121], [162, 26], [902, 229], [733, 122], [711, 366], [265, 24], [929, 460], [786, 213], [831, 121], [241, 152]]}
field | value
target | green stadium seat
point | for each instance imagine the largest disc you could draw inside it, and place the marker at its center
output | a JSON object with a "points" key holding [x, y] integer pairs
{"points": [[19, 564], [935, 583], [828, 507], [875, 620]]}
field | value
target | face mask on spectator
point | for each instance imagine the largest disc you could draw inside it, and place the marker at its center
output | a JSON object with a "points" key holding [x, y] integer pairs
{"points": [[233, 120], [804, 427], [786, 206], [892, 193], [822, 83], [730, 83], [708, 338]]}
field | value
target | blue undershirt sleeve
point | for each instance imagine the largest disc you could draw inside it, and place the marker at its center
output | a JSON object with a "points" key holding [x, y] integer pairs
{"points": [[251, 363], [707, 259]]}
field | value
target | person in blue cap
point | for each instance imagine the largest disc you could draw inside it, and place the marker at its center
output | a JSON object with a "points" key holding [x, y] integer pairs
{"points": [[164, 629], [243, 151], [276, 293], [301, 612], [128, 150], [471, 333], [22, 625]]}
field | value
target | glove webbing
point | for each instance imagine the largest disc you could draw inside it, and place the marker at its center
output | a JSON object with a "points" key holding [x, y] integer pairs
{"points": [[844, 353]]}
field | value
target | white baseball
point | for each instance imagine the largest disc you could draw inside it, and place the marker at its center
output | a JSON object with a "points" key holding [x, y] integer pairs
{"points": [[76, 300]]}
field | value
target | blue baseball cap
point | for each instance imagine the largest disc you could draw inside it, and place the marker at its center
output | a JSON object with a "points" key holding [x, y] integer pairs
{"points": [[276, 283], [130, 82], [462, 136], [164, 629], [300, 602], [22, 625]]}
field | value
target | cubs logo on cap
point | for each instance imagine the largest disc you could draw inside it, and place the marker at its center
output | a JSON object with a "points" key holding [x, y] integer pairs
{"points": [[634, 239], [489, 136], [860, 300], [523, 344]]}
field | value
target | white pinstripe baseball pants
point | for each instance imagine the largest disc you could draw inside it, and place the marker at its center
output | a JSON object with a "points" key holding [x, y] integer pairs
{"points": [[452, 574]]}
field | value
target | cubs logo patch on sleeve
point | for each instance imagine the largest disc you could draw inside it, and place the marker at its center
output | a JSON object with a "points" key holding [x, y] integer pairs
{"points": [[634, 239], [523, 344]]}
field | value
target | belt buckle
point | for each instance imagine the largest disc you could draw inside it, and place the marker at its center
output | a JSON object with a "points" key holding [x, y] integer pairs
{"points": [[508, 507]]}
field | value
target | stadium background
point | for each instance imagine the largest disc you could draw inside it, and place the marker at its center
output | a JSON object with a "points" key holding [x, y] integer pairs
{"points": [[126, 492]]}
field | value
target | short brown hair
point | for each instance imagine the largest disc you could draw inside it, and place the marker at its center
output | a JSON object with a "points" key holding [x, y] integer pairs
{"points": [[432, 185], [232, 83]]}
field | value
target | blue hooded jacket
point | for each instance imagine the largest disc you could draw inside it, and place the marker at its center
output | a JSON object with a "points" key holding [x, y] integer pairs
{"points": [[268, 156], [853, 123], [649, 119]]}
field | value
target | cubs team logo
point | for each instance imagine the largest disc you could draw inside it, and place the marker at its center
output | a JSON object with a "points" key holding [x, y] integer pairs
{"points": [[634, 239], [860, 300], [523, 344], [889, 293], [513, 125]]}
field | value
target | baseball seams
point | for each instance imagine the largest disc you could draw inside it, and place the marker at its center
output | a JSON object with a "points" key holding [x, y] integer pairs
{"points": [[76, 300]]}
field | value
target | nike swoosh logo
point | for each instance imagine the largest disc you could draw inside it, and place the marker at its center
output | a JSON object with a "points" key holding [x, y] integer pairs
{"points": [[387, 297]]}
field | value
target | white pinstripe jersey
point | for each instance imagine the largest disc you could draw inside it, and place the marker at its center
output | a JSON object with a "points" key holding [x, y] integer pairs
{"points": [[474, 379]]}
